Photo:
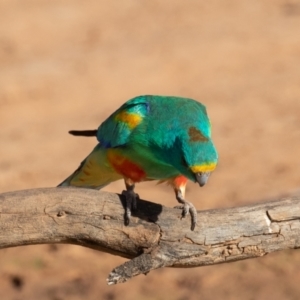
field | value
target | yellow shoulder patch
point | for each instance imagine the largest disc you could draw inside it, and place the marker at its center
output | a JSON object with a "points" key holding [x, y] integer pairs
{"points": [[131, 119]]}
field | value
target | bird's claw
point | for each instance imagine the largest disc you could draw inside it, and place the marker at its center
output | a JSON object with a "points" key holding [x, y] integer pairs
{"points": [[130, 204], [188, 207]]}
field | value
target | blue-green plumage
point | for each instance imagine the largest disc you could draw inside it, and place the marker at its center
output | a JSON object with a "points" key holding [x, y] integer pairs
{"points": [[151, 138], [175, 131]]}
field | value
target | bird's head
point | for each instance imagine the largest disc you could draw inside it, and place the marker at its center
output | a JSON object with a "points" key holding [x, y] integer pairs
{"points": [[202, 172], [201, 159]]}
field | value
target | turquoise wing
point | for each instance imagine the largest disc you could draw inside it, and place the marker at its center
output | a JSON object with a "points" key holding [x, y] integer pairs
{"points": [[117, 128]]}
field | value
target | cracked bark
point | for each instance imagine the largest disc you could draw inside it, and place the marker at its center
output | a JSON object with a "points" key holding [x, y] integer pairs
{"points": [[156, 237]]}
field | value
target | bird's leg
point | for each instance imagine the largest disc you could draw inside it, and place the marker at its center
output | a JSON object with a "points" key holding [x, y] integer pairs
{"points": [[187, 207], [131, 199], [179, 184]]}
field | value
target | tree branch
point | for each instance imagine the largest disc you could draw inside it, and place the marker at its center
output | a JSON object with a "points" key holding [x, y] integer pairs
{"points": [[156, 237]]}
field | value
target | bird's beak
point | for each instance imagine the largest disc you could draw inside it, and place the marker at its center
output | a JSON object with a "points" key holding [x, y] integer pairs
{"points": [[202, 177]]}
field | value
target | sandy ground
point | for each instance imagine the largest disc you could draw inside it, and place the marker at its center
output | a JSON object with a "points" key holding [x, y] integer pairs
{"points": [[68, 64]]}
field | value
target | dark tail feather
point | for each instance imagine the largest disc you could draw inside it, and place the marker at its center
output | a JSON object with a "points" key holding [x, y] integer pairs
{"points": [[84, 132]]}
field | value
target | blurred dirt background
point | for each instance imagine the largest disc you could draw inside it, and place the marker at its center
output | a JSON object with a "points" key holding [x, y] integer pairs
{"points": [[67, 64]]}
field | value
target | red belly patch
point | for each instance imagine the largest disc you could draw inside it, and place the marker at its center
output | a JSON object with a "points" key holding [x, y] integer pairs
{"points": [[125, 167]]}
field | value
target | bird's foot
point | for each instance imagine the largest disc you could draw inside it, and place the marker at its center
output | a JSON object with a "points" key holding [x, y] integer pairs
{"points": [[188, 207], [130, 203]]}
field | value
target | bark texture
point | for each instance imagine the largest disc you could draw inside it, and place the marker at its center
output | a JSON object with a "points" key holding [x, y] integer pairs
{"points": [[156, 237]]}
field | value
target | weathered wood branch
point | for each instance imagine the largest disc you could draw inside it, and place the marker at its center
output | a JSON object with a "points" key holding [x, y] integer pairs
{"points": [[157, 236]]}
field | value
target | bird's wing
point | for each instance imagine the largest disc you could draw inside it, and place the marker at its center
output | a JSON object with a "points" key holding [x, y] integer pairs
{"points": [[116, 130]]}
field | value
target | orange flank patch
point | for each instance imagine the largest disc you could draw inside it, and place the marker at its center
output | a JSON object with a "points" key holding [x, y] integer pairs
{"points": [[131, 119], [175, 182], [180, 181], [125, 167]]}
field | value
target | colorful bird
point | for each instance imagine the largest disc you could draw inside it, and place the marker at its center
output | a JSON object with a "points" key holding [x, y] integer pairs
{"points": [[150, 137]]}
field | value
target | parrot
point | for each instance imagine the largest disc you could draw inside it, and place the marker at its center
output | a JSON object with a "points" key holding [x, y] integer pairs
{"points": [[150, 137]]}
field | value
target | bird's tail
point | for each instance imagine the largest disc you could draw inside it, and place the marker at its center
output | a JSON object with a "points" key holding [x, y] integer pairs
{"points": [[94, 172], [84, 132]]}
